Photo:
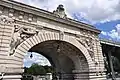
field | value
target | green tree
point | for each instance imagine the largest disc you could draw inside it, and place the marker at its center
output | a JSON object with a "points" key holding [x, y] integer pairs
{"points": [[49, 69], [36, 69]]}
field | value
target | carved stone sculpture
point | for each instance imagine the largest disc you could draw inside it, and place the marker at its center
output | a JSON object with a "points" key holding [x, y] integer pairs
{"points": [[60, 11], [61, 35], [20, 34], [88, 43], [6, 20]]}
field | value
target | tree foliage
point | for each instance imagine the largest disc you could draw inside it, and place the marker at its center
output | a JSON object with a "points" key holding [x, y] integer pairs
{"points": [[36, 69]]}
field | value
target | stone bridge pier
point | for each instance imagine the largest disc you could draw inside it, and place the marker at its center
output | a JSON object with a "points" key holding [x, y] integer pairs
{"points": [[72, 46]]}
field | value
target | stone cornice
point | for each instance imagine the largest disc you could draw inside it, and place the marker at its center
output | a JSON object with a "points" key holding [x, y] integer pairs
{"points": [[45, 14]]}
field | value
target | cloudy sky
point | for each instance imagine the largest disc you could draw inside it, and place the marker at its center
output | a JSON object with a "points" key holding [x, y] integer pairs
{"points": [[103, 14], [37, 58]]}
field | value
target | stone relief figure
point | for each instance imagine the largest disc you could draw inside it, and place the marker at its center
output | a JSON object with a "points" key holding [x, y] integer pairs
{"points": [[15, 39], [20, 34], [88, 43], [60, 11]]}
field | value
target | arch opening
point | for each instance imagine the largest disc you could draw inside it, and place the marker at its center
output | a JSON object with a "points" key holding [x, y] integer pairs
{"points": [[63, 56], [68, 55], [37, 66], [36, 58]]}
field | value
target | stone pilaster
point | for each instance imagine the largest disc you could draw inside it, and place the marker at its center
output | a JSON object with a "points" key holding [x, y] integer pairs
{"points": [[99, 72], [6, 27]]}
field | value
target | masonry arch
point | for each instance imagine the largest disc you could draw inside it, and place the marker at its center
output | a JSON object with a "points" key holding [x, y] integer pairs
{"points": [[74, 51]]}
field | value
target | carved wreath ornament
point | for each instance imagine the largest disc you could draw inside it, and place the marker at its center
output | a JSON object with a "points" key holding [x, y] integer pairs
{"points": [[6, 20], [20, 34]]}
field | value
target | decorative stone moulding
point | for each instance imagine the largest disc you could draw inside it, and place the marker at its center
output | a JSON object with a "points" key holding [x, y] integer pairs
{"points": [[30, 17], [61, 35], [6, 20], [1, 9], [11, 13], [21, 15]]}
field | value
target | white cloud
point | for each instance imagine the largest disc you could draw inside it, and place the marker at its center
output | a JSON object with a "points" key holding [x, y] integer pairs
{"points": [[118, 29], [113, 34], [37, 58], [104, 33], [89, 11], [92, 10]]}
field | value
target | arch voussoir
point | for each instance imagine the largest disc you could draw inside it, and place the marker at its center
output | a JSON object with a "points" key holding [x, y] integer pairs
{"points": [[32, 41], [35, 39], [72, 40], [41, 37]]}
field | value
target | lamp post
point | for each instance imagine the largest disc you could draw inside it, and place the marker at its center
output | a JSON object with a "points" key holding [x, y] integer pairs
{"points": [[31, 55]]}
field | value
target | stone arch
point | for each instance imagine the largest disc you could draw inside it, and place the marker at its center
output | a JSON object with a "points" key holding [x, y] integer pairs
{"points": [[41, 37]]}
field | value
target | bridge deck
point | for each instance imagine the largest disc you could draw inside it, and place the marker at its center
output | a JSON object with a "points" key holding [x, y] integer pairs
{"points": [[110, 42]]}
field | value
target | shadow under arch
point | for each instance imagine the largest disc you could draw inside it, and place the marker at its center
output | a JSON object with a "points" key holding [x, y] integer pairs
{"points": [[49, 50], [63, 64]]}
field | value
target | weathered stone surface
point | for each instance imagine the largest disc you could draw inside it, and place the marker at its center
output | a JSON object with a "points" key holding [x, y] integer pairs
{"points": [[73, 46]]}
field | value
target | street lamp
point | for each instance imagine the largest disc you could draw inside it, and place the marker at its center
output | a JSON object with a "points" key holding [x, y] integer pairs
{"points": [[58, 48], [31, 55]]}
